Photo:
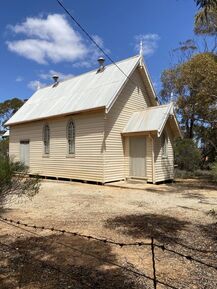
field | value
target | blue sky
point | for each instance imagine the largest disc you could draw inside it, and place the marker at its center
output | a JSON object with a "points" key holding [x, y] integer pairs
{"points": [[37, 40]]}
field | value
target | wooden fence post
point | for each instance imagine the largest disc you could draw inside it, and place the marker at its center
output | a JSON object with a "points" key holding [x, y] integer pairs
{"points": [[153, 263]]}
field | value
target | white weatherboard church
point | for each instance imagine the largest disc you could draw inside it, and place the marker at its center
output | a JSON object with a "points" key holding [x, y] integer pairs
{"points": [[101, 126]]}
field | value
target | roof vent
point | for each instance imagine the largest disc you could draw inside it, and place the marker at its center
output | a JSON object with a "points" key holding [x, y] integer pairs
{"points": [[55, 79], [101, 62]]}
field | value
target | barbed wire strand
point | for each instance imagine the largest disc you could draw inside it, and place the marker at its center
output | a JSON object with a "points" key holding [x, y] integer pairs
{"points": [[121, 244], [63, 231], [188, 257], [190, 247], [93, 256]]}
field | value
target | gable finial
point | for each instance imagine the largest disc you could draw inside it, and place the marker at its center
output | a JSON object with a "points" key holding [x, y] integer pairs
{"points": [[141, 52], [38, 85], [141, 48], [171, 97]]}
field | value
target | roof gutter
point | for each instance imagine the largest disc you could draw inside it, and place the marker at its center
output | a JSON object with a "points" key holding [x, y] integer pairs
{"points": [[55, 116], [143, 132]]}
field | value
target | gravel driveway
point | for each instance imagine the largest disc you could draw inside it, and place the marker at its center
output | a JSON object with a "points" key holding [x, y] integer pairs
{"points": [[180, 213]]}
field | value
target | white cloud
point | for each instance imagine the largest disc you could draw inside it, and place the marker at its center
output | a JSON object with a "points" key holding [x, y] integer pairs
{"points": [[47, 79], [94, 53], [98, 40], [36, 84], [19, 79], [50, 39], [48, 75], [149, 41]]}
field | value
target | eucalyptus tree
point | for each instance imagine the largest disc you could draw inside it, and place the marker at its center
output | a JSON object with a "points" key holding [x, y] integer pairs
{"points": [[194, 86]]}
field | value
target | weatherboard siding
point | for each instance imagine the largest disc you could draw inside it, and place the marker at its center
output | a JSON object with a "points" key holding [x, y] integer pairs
{"points": [[164, 167], [87, 163], [131, 99], [149, 159]]}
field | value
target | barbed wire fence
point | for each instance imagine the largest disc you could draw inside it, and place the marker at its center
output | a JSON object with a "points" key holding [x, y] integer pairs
{"points": [[152, 245]]}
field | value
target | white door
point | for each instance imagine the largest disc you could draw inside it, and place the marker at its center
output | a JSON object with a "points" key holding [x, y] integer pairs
{"points": [[138, 157], [24, 152]]}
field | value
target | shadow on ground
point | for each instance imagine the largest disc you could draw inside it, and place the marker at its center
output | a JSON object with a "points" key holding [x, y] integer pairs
{"points": [[39, 262], [209, 231], [163, 228], [187, 187], [4, 210]]}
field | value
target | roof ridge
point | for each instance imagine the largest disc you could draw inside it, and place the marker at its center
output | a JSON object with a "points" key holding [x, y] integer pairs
{"points": [[90, 71], [88, 91]]}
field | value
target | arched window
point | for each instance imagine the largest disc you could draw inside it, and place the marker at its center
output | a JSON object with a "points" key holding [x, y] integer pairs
{"points": [[46, 139], [164, 145], [71, 137]]}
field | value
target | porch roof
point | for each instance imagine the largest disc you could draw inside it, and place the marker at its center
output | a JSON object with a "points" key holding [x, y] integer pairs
{"points": [[152, 119]]}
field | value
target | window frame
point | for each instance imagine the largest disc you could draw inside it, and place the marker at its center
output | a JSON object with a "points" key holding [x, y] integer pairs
{"points": [[46, 140], [164, 145], [70, 139]]}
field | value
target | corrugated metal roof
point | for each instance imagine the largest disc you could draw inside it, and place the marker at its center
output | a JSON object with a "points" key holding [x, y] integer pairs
{"points": [[150, 119], [88, 91]]}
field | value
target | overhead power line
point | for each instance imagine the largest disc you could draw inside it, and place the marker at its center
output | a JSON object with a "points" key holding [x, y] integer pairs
{"points": [[92, 40]]}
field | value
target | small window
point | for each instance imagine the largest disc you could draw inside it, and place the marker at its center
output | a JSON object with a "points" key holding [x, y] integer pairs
{"points": [[46, 139], [164, 144], [71, 138]]}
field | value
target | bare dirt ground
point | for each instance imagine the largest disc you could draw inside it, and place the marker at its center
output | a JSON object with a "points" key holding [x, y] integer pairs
{"points": [[180, 215]]}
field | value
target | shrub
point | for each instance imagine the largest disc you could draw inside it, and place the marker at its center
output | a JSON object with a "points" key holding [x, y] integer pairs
{"points": [[14, 180], [183, 174], [187, 155], [4, 147], [201, 174]]}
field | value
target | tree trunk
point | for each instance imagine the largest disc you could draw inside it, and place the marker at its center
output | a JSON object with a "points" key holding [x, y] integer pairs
{"points": [[191, 129]]}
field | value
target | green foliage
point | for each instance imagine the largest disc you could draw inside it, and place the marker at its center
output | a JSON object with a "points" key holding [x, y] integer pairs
{"points": [[14, 180], [193, 83], [206, 3], [207, 137], [8, 108], [206, 24], [187, 155], [183, 174], [4, 147], [201, 174], [214, 171]]}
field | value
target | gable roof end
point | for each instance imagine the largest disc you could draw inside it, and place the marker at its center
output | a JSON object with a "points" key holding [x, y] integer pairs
{"points": [[152, 119]]}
